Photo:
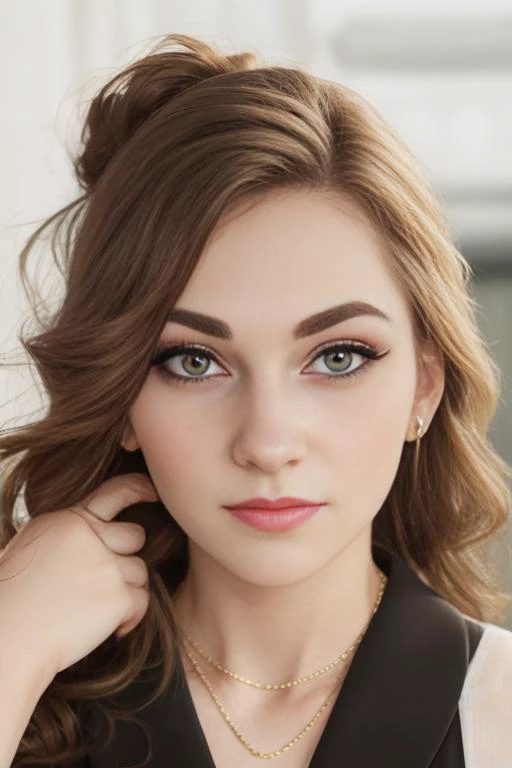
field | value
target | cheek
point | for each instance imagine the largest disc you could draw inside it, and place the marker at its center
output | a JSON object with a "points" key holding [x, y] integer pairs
{"points": [[370, 428], [172, 444]]}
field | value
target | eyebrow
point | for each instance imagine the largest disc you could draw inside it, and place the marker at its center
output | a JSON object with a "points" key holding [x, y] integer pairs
{"points": [[212, 326]]}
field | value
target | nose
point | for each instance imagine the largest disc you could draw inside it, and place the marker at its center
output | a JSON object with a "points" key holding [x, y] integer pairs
{"points": [[269, 433]]}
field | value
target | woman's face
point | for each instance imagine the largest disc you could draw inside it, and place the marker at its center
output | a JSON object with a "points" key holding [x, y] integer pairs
{"points": [[258, 415]]}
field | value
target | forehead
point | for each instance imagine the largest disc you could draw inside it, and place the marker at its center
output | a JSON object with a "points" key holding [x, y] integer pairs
{"points": [[291, 254]]}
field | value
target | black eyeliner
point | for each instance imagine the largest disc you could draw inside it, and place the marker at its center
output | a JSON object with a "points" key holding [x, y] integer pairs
{"points": [[166, 352]]}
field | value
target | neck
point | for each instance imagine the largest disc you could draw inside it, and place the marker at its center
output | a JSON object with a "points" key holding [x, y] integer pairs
{"points": [[273, 634]]}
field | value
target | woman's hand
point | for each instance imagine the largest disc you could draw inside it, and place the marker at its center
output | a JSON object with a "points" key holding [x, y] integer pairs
{"points": [[69, 578]]}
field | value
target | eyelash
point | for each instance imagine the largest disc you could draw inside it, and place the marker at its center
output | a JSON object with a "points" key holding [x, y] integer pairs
{"points": [[163, 354]]}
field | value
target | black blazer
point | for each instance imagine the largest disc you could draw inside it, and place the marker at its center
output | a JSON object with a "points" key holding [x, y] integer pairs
{"points": [[397, 708]]}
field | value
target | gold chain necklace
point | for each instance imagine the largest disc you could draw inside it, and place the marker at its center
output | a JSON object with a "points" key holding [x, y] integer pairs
{"points": [[311, 676], [292, 742], [240, 737]]}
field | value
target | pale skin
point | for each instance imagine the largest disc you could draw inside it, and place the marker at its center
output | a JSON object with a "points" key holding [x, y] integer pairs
{"points": [[266, 421]]}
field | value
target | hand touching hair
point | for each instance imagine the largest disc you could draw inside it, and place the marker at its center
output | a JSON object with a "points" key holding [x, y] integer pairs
{"points": [[171, 144]]}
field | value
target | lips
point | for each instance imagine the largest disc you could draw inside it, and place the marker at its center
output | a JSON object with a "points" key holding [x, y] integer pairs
{"points": [[276, 520], [284, 502]]}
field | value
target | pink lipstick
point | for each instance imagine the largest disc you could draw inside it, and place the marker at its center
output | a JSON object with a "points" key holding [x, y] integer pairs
{"points": [[274, 514]]}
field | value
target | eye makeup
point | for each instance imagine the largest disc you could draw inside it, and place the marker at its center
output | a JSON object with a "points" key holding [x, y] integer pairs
{"points": [[164, 353]]}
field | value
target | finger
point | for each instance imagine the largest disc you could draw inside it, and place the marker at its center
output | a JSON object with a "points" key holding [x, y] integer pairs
{"points": [[134, 570], [121, 538], [140, 604], [117, 493]]}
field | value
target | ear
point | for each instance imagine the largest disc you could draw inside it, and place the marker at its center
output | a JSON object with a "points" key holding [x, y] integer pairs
{"points": [[429, 388], [129, 440]]}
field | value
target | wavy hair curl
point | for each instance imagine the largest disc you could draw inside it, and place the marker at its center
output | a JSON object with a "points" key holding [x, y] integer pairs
{"points": [[169, 144]]}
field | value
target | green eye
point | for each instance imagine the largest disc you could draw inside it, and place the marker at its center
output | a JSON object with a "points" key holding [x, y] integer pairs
{"points": [[197, 360], [343, 361], [195, 368]]}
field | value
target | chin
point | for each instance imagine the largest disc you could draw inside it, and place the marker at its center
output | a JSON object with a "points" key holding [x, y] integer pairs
{"points": [[276, 572]]}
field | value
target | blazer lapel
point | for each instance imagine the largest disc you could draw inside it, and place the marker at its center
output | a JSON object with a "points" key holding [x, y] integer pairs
{"points": [[398, 705], [401, 693]]}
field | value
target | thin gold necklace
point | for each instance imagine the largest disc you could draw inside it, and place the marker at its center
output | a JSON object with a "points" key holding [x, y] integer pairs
{"points": [[292, 742], [311, 676], [240, 737]]}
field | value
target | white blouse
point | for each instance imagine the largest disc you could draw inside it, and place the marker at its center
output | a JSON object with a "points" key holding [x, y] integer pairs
{"points": [[485, 705]]}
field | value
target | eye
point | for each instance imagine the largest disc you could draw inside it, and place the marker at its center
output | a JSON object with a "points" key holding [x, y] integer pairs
{"points": [[340, 358], [196, 361]]}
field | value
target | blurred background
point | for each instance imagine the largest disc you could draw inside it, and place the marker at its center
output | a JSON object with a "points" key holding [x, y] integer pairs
{"points": [[440, 72]]}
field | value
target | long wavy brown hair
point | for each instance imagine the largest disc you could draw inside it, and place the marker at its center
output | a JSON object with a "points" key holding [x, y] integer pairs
{"points": [[169, 144]]}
